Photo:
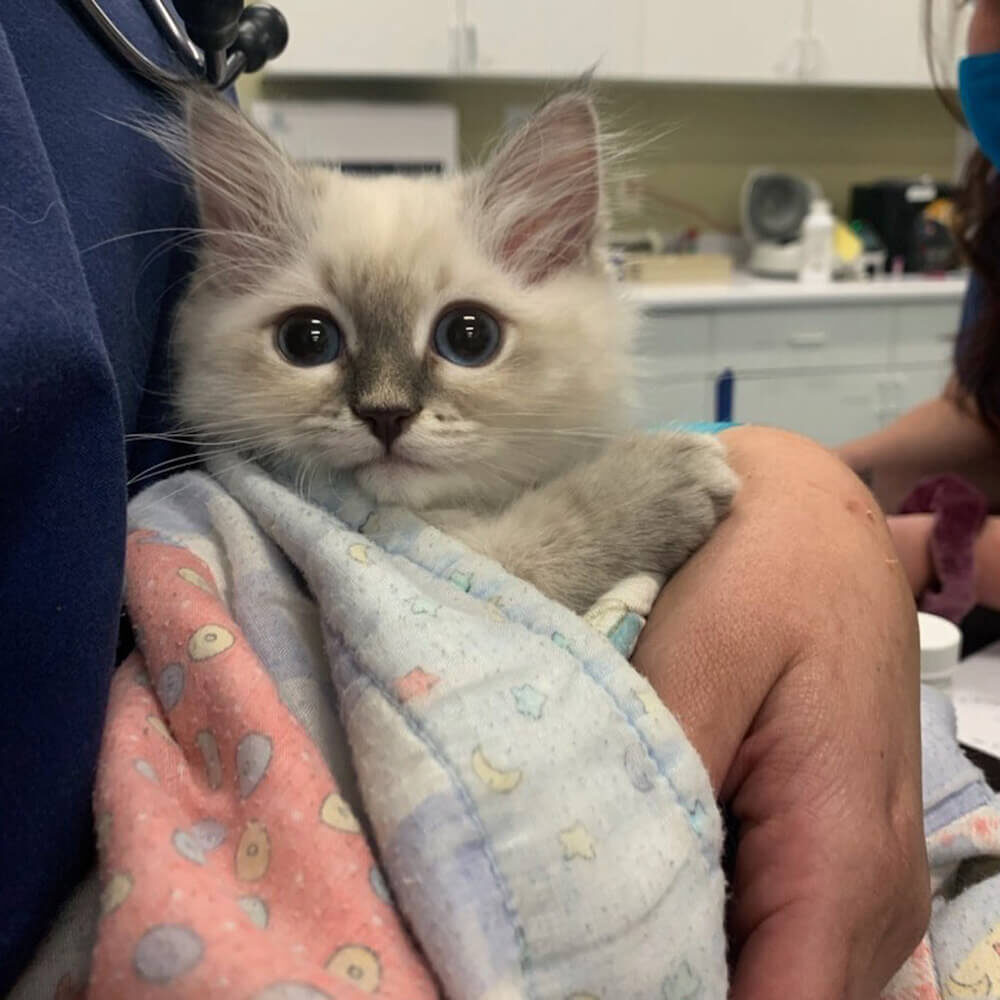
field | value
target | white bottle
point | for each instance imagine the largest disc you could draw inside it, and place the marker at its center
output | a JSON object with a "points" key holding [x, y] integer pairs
{"points": [[817, 243]]}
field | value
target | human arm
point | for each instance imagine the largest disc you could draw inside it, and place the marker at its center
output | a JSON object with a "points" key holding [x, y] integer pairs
{"points": [[911, 534], [946, 434], [787, 650]]}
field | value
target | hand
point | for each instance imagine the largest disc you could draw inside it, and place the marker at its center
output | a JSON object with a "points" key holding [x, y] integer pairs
{"points": [[911, 535], [787, 649]]}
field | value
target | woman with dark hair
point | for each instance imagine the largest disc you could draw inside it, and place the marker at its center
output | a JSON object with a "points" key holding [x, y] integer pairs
{"points": [[959, 432]]}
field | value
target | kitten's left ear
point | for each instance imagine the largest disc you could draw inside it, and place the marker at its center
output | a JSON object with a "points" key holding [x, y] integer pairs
{"points": [[540, 195], [249, 193]]}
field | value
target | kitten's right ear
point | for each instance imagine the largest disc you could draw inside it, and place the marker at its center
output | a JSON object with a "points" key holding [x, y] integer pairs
{"points": [[249, 194], [540, 194]]}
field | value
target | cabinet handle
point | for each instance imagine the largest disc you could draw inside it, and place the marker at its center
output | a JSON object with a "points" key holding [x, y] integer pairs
{"points": [[471, 47], [454, 49], [817, 339]]}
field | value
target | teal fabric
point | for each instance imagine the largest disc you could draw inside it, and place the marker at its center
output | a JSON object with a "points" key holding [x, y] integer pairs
{"points": [[701, 426]]}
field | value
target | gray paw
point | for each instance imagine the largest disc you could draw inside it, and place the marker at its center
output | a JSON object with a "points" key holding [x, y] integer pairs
{"points": [[711, 472], [685, 483]]}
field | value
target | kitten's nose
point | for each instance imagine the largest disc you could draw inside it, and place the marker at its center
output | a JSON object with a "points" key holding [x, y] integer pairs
{"points": [[386, 424]]}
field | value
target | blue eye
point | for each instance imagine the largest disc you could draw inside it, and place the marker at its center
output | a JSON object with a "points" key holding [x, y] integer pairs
{"points": [[308, 338], [467, 335]]}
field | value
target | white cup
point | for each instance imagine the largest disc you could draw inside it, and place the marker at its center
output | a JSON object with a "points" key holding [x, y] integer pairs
{"points": [[940, 645]]}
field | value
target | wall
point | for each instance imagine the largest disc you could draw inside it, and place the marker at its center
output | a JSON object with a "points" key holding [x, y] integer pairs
{"points": [[698, 142]]}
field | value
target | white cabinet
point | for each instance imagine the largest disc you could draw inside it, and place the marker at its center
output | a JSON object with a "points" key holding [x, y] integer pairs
{"points": [[863, 42], [845, 42], [514, 38], [924, 334], [723, 41], [661, 402], [674, 368], [829, 407], [803, 336], [842, 42], [372, 38], [881, 43], [673, 344], [555, 38], [917, 385], [831, 363]]}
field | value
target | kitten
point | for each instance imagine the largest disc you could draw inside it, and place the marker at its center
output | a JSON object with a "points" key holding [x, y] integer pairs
{"points": [[455, 341]]}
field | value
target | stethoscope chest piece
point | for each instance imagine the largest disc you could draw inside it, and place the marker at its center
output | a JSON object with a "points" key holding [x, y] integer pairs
{"points": [[215, 40]]}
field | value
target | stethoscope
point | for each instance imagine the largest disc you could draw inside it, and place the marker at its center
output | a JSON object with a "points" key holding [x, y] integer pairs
{"points": [[215, 40]]}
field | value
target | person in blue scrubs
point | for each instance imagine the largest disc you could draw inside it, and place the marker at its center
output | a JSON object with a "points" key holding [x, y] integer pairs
{"points": [[84, 306], [84, 309]]}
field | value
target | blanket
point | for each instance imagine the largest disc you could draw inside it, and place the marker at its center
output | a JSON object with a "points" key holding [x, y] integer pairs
{"points": [[350, 757]]}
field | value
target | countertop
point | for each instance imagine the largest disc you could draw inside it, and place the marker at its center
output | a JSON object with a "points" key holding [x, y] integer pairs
{"points": [[748, 291]]}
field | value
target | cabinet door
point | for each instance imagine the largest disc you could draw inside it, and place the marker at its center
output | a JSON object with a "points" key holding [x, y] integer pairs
{"points": [[373, 38], [861, 42], [660, 402], [881, 43], [829, 408], [805, 337], [925, 332], [671, 345], [918, 385], [726, 40], [557, 38]]}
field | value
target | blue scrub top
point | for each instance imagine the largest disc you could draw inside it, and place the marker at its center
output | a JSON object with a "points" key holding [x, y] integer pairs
{"points": [[83, 322]]}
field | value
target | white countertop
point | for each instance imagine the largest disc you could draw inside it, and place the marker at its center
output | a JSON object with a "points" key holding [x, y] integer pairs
{"points": [[747, 290]]}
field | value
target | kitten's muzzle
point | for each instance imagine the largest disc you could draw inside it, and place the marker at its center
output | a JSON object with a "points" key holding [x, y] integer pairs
{"points": [[386, 424]]}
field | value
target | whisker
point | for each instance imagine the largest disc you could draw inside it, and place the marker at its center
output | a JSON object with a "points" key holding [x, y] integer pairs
{"points": [[167, 467], [554, 432], [187, 462], [138, 505], [189, 231], [210, 449]]}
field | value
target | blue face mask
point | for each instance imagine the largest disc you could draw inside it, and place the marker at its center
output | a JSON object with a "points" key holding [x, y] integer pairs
{"points": [[979, 92]]}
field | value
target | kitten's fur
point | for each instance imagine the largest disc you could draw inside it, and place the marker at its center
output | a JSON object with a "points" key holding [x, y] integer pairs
{"points": [[514, 456]]}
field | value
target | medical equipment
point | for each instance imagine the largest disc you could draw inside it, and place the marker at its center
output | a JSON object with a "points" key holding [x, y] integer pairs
{"points": [[773, 206], [215, 40]]}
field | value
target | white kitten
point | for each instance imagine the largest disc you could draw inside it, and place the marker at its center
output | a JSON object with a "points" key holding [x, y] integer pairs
{"points": [[456, 342]]}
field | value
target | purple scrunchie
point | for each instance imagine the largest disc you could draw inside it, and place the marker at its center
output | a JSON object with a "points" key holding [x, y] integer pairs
{"points": [[960, 510]]}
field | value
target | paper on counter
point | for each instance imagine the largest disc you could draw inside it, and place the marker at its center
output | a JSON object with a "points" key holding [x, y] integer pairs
{"points": [[975, 693]]}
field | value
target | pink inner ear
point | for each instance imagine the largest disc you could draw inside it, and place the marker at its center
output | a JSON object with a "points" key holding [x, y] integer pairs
{"points": [[543, 190], [541, 247]]}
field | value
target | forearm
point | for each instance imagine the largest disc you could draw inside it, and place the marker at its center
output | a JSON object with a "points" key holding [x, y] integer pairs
{"points": [[987, 562], [911, 534], [803, 551], [941, 435]]}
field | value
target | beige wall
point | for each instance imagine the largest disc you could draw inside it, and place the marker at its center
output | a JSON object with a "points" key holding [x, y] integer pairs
{"points": [[700, 141]]}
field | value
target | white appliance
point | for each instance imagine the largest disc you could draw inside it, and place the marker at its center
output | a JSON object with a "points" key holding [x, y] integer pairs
{"points": [[365, 136], [773, 206]]}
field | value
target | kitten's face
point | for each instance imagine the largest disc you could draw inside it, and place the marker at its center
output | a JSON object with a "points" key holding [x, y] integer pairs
{"points": [[449, 340]]}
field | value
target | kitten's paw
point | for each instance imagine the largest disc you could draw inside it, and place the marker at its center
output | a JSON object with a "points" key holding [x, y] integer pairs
{"points": [[684, 486], [711, 472]]}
